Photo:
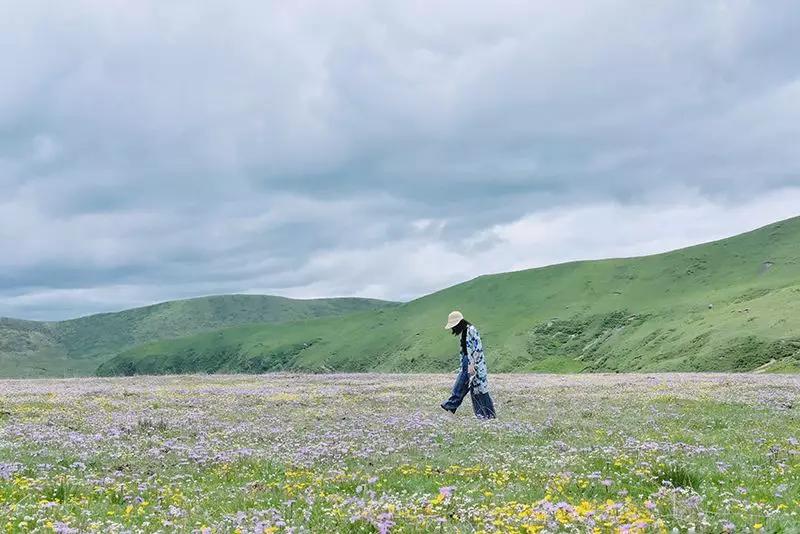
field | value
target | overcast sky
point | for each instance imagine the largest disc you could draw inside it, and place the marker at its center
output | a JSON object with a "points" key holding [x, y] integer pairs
{"points": [[154, 150]]}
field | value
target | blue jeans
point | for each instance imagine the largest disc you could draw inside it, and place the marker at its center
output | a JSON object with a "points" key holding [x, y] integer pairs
{"points": [[482, 403]]}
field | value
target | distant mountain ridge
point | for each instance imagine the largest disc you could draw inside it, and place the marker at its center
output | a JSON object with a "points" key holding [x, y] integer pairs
{"points": [[730, 305], [78, 346]]}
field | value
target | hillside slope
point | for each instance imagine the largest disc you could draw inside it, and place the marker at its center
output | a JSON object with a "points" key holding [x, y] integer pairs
{"points": [[728, 305], [78, 346]]}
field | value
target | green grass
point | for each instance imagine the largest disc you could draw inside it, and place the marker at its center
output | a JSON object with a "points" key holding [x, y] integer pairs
{"points": [[320, 453], [77, 347], [731, 305]]}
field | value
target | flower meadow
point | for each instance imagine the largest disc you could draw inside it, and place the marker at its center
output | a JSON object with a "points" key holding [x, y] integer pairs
{"points": [[376, 453]]}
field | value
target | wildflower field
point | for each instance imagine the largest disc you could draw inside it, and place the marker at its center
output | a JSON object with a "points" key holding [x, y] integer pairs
{"points": [[366, 453]]}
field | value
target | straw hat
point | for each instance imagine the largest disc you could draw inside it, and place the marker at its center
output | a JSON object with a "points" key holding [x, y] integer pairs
{"points": [[453, 319]]}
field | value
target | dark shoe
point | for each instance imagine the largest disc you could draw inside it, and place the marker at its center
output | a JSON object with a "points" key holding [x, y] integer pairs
{"points": [[447, 409]]}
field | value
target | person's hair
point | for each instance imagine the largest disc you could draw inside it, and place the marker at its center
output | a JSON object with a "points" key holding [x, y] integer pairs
{"points": [[461, 330]]}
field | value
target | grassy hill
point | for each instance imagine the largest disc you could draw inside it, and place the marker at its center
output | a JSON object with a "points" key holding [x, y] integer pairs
{"points": [[78, 346], [731, 305]]}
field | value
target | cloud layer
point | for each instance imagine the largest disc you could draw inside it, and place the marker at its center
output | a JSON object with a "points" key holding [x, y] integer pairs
{"points": [[151, 151]]}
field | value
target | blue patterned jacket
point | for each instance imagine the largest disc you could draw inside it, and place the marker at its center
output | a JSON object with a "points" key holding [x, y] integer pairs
{"points": [[480, 380]]}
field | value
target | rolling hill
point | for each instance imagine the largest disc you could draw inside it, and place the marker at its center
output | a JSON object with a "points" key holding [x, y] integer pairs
{"points": [[78, 346], [730, 305]]}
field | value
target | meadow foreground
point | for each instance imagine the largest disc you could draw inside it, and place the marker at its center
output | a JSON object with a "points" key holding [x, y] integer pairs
{"points": [[364, 453]]}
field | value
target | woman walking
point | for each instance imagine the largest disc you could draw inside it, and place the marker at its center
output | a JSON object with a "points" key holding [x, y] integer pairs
{"points": [[473, 377]]}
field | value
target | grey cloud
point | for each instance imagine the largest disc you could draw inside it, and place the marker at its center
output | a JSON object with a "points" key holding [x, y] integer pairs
{"points": [[152, 150]]}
